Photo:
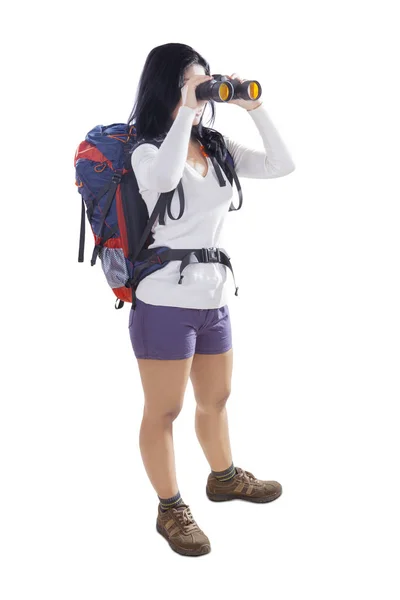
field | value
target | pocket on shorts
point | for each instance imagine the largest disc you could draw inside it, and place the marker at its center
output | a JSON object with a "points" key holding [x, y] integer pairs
{"points": [[223, 312]]}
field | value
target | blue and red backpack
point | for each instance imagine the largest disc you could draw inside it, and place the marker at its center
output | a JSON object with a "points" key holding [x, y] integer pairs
{"points": [[118, 215]]}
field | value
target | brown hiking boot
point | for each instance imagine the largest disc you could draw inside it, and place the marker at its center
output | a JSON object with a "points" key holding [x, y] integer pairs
{"points": [[243, 486], [181, 531]]}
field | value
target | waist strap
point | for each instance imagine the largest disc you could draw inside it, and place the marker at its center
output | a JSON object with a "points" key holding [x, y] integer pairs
{"points": [[186, 256]]}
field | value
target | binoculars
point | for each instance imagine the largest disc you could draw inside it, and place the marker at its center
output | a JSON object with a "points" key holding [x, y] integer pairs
{"points": [[222, 89]]}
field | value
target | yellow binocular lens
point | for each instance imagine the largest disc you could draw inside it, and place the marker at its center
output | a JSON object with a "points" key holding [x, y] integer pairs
{"points": [[253, 90], [224, 91]]}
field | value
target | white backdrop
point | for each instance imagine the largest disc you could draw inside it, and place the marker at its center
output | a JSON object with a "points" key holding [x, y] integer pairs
{"points": [[316, 345]]}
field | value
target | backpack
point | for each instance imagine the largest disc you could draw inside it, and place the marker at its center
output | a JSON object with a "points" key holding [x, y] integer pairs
{"points": [[118, 215]]}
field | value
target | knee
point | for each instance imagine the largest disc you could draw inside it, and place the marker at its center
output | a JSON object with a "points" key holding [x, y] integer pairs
{"points": [[222, 400], [170, 415], [216, 404], [164, 416]]}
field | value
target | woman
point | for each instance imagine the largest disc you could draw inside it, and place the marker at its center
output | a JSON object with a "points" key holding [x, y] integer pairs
{"points": [[182, 331]]}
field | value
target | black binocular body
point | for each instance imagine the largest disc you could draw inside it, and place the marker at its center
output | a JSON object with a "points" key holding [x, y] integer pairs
{"points": [[222, 89]]}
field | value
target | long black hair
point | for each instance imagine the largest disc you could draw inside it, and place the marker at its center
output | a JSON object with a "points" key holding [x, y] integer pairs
{"points": [[159, 91]]}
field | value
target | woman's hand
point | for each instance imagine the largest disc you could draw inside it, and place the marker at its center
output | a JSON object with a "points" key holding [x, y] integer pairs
{"points": [[188, 91], [247, 104]]}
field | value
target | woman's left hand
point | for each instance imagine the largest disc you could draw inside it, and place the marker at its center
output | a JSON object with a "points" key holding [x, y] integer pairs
{"points": [[247, 104]]}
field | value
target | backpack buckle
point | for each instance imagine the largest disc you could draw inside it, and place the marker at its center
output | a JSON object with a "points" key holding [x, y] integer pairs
{"points": [[210, 255], [116, 178]]}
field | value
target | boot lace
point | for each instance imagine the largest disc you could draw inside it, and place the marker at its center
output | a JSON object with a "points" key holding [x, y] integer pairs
{"points": [[247, 476], [185, 517]]}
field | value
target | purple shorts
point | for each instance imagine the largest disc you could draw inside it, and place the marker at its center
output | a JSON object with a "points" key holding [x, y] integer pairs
{"points": [[172, 333]]}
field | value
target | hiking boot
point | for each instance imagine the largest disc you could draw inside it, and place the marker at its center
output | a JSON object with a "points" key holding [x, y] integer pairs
{"points": [[243, 486], [181, 531]]}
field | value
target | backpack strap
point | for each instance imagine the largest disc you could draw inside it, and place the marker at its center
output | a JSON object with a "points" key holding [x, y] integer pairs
{"points": [[82, 234], [112, 188], [167, 206], [237, 183], [206, 255], [159, 210], [220, 177], [163, 204], [186, 256], [222, 181]]}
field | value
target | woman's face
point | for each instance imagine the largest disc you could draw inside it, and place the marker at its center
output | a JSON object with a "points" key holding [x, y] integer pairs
{"points": [[189, 72]]}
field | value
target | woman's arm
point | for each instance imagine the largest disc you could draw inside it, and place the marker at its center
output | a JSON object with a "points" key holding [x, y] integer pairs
{"points": [[274, 162], [160, 169]]}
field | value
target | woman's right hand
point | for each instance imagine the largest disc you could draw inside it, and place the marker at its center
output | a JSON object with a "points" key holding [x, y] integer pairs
{"points": [[189, 91]]}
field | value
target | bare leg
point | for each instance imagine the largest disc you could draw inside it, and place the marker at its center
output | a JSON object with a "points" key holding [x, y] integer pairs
{"points": [[211, 378], [164, 384]]}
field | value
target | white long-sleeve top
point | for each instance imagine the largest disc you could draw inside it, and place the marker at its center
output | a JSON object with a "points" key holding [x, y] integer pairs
{"points": [[157, 170]]}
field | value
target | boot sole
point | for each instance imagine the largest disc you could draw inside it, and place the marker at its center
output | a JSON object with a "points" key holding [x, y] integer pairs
{"points": [[226, 497], [204, 549]]}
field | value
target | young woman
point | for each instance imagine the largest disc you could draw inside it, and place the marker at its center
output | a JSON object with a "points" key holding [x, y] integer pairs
{"points": [[182, 331]]}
